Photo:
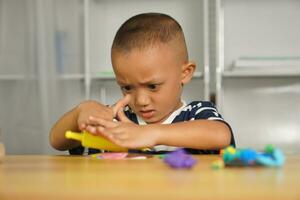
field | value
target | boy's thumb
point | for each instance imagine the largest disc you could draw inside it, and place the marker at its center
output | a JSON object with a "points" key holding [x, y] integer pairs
{"points": [[120, 104]]}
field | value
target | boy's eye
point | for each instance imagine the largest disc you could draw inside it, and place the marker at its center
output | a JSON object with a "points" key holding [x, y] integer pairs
{"points": [[152, 86], [126, 88]]}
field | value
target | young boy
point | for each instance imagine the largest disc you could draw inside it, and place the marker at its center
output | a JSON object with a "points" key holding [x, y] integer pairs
{"points": [[150, 61]]}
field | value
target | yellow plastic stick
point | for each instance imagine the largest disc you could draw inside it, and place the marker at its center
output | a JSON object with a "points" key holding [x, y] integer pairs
{"points": [[96, 142]]}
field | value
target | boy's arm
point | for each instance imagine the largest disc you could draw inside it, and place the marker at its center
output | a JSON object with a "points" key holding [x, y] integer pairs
{"points": [[57, 134], [197, 134]]}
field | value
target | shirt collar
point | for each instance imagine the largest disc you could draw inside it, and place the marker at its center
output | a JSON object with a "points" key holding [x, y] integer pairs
{"points": [[169, 119]]}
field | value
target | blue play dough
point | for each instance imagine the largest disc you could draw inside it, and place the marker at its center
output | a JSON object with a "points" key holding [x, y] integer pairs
{"points": [[271, 157], [275, 160], [248, 156]]}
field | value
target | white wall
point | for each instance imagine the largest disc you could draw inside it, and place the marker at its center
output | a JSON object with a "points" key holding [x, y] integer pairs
{"points": [[43, 42]]}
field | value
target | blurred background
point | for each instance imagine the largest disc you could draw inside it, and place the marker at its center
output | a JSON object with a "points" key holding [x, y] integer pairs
{"points": [[56, 53]]}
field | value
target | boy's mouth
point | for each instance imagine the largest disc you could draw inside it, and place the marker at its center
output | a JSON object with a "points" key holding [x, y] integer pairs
{"points": [[147, 114]]}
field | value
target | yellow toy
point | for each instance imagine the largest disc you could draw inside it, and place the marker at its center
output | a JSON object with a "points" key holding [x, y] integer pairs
{"points": [[96, 142]]}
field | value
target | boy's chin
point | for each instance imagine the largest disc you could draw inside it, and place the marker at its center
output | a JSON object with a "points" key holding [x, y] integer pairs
{"points": [[153, 121], [148, 121]]}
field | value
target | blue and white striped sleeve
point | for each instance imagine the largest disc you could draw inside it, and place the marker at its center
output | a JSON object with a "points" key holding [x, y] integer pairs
{"points": [[206, 110]]}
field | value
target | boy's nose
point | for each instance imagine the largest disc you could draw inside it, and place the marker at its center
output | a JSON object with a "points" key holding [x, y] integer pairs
{"points": [[142, 99]]}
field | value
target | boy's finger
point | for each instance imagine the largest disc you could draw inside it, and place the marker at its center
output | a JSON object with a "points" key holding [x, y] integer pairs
{"points": [[92, 121], [92, 130], [102, 122], [120, 104], [81, 126], [122, 117]]}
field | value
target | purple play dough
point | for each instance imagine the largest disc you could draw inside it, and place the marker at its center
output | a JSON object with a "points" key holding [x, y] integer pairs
{"points": [[179, 159]]}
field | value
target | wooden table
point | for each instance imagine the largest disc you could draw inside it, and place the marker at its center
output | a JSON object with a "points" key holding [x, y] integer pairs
{"points": [[68, 177]]}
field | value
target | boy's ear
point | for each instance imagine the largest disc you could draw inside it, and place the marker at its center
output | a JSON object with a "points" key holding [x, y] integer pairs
{"points": [[187, 72]]}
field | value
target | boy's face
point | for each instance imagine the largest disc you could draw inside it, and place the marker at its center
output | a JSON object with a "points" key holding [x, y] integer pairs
{"points": [[153, 79]]}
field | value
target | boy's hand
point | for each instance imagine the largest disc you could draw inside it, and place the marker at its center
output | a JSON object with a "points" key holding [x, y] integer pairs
{"points": [[94, 109], [124, 132]]}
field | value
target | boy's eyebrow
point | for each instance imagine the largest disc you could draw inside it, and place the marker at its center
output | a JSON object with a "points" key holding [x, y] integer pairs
{"points": [[151, 82], [144, 82]]}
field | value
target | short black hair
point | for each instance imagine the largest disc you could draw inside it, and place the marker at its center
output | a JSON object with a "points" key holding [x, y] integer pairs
{"points": [[145, 30]]}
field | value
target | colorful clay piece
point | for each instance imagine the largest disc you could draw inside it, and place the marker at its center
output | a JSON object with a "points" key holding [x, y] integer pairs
{"points": [[117, 156], [179, 159], [161, 156], [218, 164], [110, 156], [270, 157]]}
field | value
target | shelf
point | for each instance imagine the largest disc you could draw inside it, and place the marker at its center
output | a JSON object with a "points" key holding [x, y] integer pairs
{"points": [[103, 76], [198, 75], [14, 77], [267, 62], [259, 73], [71, 76], [111, 76]]}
